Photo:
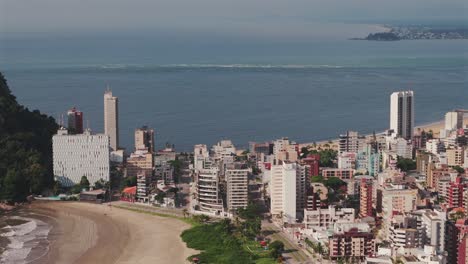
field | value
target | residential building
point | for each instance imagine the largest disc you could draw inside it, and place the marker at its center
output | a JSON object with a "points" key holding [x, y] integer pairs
{"points": [[200, 154], [208, 189], [222, 149], [111, 119], [433, 226], [453, 120], [455, 232], [396, 198], [455, 192], [347, 160], [283, 191], [350, 142], [351, 241], [237, 188], [313, 160], [324, 218], [365, 198], [405, 231], [343, 174], [455, 156], [285, 150], [75, 121], [144, 139], [435, 146], [140, 162], [80, 155], [143, 182], [302, 186], [402, 113]]}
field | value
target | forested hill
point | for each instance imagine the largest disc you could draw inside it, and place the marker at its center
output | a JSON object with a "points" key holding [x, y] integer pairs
{"points": [[25, 148]]}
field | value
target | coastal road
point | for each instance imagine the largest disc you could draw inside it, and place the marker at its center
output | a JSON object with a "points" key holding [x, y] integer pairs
{"points": [[294, 254]]}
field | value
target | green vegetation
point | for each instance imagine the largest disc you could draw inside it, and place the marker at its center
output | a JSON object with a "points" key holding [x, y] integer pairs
{"points": [[405, 164], [317, 178], [129, 182], [177, 165], [327, 156], [383, 36], [25, 148], [459, 169]]}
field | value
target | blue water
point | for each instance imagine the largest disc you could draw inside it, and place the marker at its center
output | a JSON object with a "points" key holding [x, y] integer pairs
{"points": [[202, 90]]}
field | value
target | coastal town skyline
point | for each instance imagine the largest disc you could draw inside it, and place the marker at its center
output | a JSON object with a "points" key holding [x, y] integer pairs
{"points": [[234, 132]]}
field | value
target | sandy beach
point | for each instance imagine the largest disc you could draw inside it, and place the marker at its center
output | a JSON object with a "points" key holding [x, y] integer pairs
{"points": [[93, 233]]}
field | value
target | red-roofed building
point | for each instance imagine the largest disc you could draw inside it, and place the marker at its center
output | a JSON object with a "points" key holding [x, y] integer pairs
{"points": [[129, 194]]}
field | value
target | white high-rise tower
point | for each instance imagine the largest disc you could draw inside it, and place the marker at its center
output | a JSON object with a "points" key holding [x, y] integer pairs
{"points": [[402, 113], [111, 119]]}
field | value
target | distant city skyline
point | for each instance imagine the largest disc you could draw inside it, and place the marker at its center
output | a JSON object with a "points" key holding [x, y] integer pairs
{"points": [[247, 17]]}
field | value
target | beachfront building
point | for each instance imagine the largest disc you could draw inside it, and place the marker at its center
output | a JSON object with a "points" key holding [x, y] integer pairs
{"points": [[285, 150], [111, 119], [223, 149], [208, 190], [75, 121], [283, 191], [144, 139], [350, 142], [237, 181], [402, 113], [453, 120], [80, 155], [200, 154]]}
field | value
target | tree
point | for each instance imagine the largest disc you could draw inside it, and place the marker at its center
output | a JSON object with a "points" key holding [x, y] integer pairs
{"points": [[276, 249], [459, 169], [25, 148], [84, 183], [317, 178], [405, 164], [101, 184], [334, 183], [76, 188]]}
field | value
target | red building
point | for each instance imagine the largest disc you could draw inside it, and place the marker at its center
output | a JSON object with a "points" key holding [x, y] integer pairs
{"points": [[75, 121], [313, 160], [455, 193], [455, 240]]}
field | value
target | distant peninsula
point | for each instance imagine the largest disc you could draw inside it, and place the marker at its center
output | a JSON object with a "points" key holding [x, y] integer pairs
{"points": [[395, 33]]}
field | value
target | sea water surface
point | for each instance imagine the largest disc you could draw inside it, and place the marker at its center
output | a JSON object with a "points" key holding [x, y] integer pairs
{"points": [[200, 90]]}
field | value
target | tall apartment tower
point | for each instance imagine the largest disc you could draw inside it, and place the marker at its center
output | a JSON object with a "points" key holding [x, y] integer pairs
{"points": [[402, 113], [365, 198], [453, 120], [111, 119], [237, 188], [144, 139], [75, 121], [283, 191]]}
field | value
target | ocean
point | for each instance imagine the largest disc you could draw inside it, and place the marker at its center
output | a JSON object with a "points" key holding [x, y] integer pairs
{"points": [[198, 90]]}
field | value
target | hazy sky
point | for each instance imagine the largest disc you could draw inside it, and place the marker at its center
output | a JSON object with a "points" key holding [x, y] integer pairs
{"points": [[234, 16]]}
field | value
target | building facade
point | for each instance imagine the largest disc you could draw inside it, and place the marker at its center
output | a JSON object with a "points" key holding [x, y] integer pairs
{"points": [[80, 155], [111, 119], [402, 113]]}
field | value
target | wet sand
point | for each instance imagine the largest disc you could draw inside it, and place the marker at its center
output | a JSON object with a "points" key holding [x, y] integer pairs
{"points": [[92, 233]]}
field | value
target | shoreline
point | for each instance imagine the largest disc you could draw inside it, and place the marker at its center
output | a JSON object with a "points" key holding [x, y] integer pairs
{"points": [[435, 126], [98, 233]]}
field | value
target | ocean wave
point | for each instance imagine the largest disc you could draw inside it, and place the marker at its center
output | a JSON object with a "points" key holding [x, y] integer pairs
{"points": [[204, 66], [23, 239]]}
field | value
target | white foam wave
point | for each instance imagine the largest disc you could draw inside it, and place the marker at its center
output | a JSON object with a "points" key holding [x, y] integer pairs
{"points": [[202, 66], [23, 238]]}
